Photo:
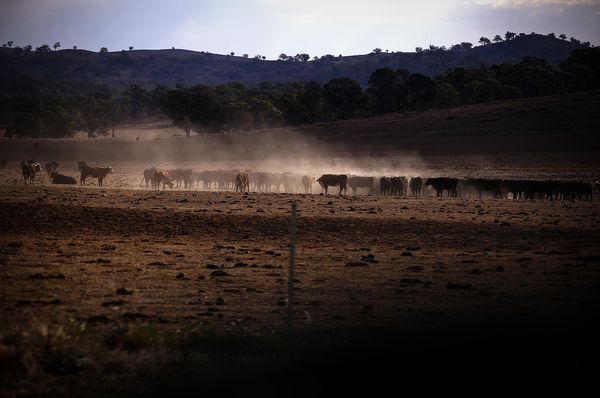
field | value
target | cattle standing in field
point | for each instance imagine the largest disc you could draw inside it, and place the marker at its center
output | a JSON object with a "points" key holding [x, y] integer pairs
{"points": [[148, 176], [332, 180], [307, 182], [415, 185], [51, 167], [62, 179], [385, 186], [29, 171], [361, 182], [182, 176], [441, 184], [161, 176], [398, 186], [95, 172], [242, 182]]}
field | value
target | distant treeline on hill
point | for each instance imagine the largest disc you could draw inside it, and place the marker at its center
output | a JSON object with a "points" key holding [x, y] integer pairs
{"points": [[30, 108]]}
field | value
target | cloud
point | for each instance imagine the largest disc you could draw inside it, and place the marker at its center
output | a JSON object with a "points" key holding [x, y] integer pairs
{"points": [[533, 3]]}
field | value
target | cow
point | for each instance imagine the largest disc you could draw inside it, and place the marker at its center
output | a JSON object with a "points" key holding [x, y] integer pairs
{"points": [[182, 175], [415, 184], [441, 184], [81, 163], [161, 176], [95, 172], [385, 186], [307, 182], [62, 179], [242, 182], [51, 167], [148, 176], [398, 186], [29, 170], [361, 182], [332, 180]]}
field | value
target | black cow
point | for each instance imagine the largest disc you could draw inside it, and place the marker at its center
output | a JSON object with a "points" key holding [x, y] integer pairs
{"points": [[441, 184]]}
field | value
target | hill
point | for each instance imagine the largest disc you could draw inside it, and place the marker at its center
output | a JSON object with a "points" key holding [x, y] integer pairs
{"points": [[171, 67]]}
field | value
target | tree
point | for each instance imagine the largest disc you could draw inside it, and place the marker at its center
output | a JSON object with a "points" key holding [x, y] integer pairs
{"points": [[244, 55], [56, 45], [419, 49], [484, 41], [10, 43], [74, 47], [376, 51], [301, 57], [28, 125], [28, 48], [509, 35], [574, 41], [421, 91], [44, 48], [497, 38], [344, 97], [103, 50], [562, 36], [130, 48], [552, 35], [383, 89], [232, 53]]}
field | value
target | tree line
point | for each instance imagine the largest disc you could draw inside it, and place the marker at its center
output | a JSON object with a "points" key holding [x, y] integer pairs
{"points": [[235, 107]]}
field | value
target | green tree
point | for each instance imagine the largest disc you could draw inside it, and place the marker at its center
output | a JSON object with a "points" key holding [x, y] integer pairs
{"points": [[56, 45], [344, 97], [383, 88], [484, 41], [28, 125], [509, 35], [497, 38], [44, 48]]}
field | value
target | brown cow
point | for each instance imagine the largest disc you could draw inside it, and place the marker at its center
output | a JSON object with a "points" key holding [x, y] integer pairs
{"points": [[95, 172], [332, 180], [242, 182], [29, 171], [148, 176], [161, 176]]}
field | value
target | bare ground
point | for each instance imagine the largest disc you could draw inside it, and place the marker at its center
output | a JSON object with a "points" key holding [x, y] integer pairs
{"points": [[94, 261]]}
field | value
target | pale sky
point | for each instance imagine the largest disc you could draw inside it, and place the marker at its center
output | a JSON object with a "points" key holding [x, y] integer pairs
{"points": [[272, 27]]}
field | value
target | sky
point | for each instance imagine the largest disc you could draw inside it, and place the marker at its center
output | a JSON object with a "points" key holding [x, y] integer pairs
{"points": [[272, 27]]}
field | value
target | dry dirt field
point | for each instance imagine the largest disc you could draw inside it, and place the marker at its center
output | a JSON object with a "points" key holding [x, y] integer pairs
{"points": [[100, 274]]}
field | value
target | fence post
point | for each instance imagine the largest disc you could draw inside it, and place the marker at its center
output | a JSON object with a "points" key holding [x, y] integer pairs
{"points": [[291, 267]]}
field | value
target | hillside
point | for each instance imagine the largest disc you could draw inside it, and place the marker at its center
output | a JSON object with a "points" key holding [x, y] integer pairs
{"points": [[170, 67]]}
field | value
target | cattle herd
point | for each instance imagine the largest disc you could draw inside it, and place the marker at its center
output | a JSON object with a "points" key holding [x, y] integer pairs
{"points": [[246, 181]]}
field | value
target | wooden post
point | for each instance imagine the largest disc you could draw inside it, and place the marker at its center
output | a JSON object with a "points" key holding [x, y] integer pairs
{"points": [[291, 267]]}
